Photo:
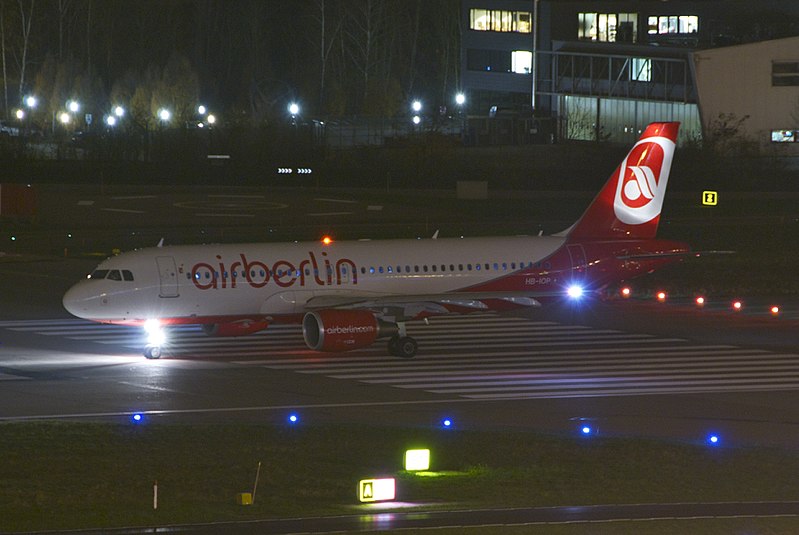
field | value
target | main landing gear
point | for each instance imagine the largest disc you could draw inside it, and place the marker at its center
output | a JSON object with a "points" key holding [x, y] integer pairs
{"points": [[401, 345]]}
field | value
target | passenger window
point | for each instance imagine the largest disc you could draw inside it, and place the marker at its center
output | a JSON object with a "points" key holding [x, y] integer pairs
{"points": [[477, 267], [504, 266], [114, 275], [452, 267], [424, 268], [127, 275], [389, 268], [416, 269], [435, 268], [380, 269]]}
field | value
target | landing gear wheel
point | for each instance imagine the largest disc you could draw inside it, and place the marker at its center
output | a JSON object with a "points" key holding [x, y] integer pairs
{"points": [[402, 346], [152, 352]]}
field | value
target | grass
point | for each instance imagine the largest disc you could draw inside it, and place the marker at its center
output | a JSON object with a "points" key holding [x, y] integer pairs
{"points": [[84, 475]]}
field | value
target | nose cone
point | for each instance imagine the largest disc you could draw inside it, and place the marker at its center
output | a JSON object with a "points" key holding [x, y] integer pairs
{"points": [[78, 300]]}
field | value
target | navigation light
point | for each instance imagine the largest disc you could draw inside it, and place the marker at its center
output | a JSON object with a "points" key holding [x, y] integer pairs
{"points": [[737, 305], [775, 310], [700, 301], [661, 296], [626, 292]]}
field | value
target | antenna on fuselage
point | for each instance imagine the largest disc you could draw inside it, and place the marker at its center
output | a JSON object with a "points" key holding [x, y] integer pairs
{"points": [[435, 235], [160, 243]]}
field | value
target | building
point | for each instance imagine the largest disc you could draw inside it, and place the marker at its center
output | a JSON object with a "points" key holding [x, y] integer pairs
{"points": [[604, 69]]}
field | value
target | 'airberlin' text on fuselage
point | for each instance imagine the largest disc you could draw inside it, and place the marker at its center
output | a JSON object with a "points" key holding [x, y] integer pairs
{"points": [[257, 273]]}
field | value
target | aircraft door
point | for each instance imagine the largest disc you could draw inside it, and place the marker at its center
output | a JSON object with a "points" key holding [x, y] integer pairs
{"points": [[168, 277], [579, 263]]}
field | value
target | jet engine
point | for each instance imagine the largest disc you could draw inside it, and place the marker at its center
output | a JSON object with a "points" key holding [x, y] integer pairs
{"points": [[235, 328], [343, 330]]}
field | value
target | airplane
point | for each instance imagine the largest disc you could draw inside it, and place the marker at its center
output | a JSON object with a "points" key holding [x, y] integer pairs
{"points": [[349, 294]]}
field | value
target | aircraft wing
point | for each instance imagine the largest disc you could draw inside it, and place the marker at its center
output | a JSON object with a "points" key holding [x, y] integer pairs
{"points": [[413, 304], [653, 256]]}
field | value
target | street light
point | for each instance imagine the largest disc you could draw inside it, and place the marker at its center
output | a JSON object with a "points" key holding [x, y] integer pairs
{"points": [[211, 118], [416, 106], [30, 101], [201, 109], [20, 114], [460, 99], [73, 106], [64, 118], [164, 114], [119, 111], [111, 120], [294, 108]]}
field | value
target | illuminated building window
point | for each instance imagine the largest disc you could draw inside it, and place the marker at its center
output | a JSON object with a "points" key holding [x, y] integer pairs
{"points": [[496, 20], [521, 61], [783, 136], [672, 24], [641, 70], [608, 27], [785, 73]]}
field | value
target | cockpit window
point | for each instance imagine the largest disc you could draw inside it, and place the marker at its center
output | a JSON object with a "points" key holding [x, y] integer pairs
{"points": [[98, 274], [112, 274]]}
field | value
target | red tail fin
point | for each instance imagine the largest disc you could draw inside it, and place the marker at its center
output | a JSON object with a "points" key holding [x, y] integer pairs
{"points": [[629, 204]]}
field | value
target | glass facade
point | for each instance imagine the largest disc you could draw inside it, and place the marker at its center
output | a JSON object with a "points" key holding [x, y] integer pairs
{"points": [[623, 120]]}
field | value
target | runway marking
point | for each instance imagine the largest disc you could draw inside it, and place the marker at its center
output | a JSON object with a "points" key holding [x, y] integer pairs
{"points": [[123, 210], [510, 358]]}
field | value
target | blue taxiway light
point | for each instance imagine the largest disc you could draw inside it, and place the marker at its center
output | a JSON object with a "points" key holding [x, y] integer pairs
{"points": [[293, 418]]}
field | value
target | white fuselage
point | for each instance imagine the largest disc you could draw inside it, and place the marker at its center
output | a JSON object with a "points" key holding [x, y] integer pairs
{"points": [[216, 282]]}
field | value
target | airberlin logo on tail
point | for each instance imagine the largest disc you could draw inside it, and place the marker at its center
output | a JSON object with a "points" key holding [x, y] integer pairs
{"points": [[643, 176]]}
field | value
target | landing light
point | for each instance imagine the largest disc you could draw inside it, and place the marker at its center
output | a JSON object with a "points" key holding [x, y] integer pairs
{"points": [[155, 334], [575, 291]]}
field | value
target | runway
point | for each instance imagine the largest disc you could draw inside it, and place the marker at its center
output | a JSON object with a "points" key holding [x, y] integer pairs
{"points": [[484, 371]]}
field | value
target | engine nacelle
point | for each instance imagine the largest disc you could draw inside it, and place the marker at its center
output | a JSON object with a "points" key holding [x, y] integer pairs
{"points": [[235, 328], [343, 330]]}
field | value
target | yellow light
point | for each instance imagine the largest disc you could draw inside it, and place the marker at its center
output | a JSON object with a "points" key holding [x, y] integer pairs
{"points": [[710, 198], [327, 240], [376, 490], [417, 460]]}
